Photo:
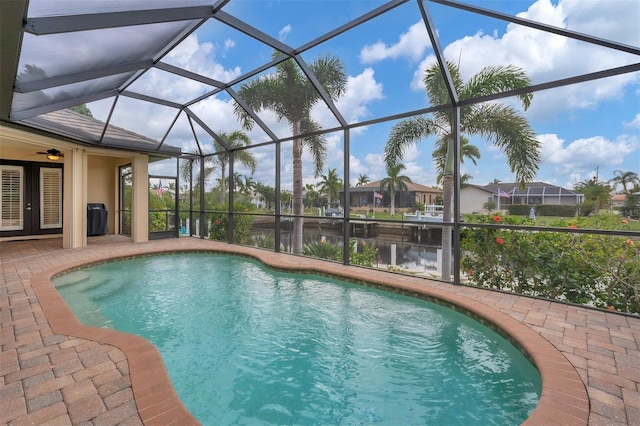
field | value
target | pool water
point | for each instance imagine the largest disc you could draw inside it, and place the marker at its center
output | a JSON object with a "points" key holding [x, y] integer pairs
{"points": [[244, 344]]}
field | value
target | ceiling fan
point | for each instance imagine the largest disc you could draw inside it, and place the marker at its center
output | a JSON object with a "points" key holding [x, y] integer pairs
{"points": [[52, 154]]}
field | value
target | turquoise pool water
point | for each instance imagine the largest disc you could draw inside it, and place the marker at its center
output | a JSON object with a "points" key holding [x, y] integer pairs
{"points": [[244, 344]]}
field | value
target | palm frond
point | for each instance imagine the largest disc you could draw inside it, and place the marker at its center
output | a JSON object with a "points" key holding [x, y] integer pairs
{"points": [[246, 158], [435, 84], [330, 72], [497, 79], [315, 143], [510, 132], [260, 94], [404, 135]]}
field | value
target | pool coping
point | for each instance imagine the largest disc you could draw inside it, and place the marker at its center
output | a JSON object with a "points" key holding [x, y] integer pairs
{"points": [[563, 400]]}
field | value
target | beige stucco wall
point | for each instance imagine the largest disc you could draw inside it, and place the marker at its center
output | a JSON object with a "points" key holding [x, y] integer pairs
{"points": [[102, 169], [472, 199], [90, 176]]}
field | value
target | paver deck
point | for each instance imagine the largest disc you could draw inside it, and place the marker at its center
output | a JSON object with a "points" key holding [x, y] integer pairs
{"points": [[53, 370]]}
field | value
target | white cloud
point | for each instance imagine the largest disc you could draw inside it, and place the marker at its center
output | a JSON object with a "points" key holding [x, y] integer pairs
{"points": [[374, 159], [411, 45], [547, 57], [635, 123], [583, 155], [605, 19], [357, 168], [229, 44], [361, 90], [201, 58], [284, 32]]}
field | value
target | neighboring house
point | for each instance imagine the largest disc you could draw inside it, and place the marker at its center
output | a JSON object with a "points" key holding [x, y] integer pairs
{"points": [[416, 193], [473, 197], [617, 200]]}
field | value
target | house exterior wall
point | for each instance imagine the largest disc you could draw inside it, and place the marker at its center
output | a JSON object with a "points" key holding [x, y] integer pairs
{"points": [[74, 225], [404, 199], [104, 169], [425, 197], [472, 199], [140, 199], [89, 175]]}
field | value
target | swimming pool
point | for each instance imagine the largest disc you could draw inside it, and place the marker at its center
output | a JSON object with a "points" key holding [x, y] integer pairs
{"points": [[245, 344]]}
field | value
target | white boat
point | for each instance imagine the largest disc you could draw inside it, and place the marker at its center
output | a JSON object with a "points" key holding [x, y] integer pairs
{"points": [[431, 213]]}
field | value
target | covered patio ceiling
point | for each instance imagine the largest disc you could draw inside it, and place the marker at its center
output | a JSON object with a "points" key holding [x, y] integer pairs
{"points": [[57, 55]]}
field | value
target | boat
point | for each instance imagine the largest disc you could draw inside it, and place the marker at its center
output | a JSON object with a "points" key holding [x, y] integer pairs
{"points": [[431, 213]]}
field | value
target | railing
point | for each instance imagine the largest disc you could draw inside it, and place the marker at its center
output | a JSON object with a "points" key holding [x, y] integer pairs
{"points": [[586, 263]]}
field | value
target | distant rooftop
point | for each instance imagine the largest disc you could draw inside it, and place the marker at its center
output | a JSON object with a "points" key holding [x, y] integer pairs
{"points": [[411, 187]]}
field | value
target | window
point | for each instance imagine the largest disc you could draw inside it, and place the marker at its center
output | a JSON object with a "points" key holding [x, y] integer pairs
{"points": [[11, 213], [50, 198]]}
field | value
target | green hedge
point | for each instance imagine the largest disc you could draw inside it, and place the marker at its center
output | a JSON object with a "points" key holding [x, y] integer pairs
{"points": [[519, 209], [555, 210], [542, 210]]}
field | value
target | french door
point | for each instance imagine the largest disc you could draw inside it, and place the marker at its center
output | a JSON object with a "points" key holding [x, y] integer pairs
{"points": [[31, 198]]}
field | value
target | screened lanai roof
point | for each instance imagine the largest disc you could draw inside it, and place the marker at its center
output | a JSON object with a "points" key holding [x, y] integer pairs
{"points": [[530, 189], [120, 57]]}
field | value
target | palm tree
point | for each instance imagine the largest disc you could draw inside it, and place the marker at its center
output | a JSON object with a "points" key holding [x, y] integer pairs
{"points": [[630, 179], [330, 184], [234, 140], [267, 194], [500, 123], [291, 95], [311, 195], [394, 182], [362, 180], [285, 199], [186, 169], [596, 191], [237, 182], [248, 185], [464, 179], [466, 151]]}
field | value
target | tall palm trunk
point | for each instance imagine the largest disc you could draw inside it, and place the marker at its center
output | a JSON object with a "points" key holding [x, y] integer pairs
{"points": [[447, 189], [298, 208], [223, 192], [393, 202]]}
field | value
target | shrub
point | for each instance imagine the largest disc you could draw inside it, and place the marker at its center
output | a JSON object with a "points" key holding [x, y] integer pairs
{"points": [[542, 210], [267, 241], [323, 250], [157, 221], [219, 226], [596, 270], [366, 257], [519, 209], [556, 210]]}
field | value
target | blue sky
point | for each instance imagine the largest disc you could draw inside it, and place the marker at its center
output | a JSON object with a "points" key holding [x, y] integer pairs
{"points": [[583, 129]]}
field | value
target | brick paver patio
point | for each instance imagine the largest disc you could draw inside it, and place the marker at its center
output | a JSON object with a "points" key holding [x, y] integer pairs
{"points": [[56, 371]]}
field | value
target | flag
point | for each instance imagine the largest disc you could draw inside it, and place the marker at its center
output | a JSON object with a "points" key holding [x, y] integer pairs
{"points": [[160, 189], [377, 195], [503, 194]]}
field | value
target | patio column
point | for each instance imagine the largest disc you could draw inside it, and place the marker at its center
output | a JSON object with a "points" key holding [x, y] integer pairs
{"points": [[74, 233], [140, 199]]}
